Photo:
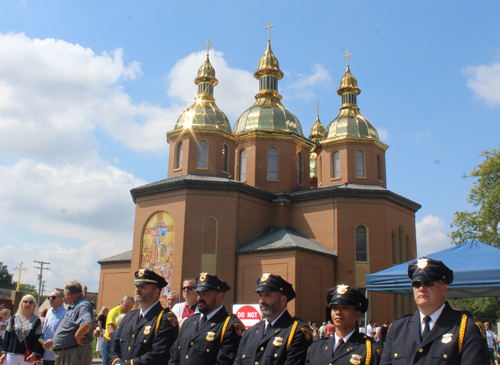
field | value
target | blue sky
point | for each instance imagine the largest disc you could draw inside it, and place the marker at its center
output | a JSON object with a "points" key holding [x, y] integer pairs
{"points": [[89, 89]]}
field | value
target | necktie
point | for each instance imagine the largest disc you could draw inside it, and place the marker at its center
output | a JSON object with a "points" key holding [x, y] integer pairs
{"points": [[340, 343], [203, 319], [268, 325], [427, 328]]}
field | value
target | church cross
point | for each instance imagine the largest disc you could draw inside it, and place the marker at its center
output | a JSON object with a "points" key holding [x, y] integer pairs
{"points": [[269, 26], [208, 45], [21, 269], [317, 108], [347, 55]]}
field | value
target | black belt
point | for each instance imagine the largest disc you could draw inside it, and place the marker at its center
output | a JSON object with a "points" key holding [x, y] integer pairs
{"points": [[56, 349]]}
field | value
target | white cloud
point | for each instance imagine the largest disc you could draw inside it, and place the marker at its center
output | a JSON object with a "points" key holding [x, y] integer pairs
{"points": [[383, 134], [431, 235], [304, 87], [484, 80]]}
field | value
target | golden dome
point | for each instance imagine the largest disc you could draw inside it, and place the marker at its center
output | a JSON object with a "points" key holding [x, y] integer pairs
{"points": [[349, 122], [313, 165], [204, 113], [317, 130], [268, 64]]}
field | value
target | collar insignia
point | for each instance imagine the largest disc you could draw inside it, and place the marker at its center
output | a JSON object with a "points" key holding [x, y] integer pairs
{"points": [[264, 277], [278, 341], [203, 276], [447, 337], [356, 359], [422, 263], [141, 272], [342, 289]]}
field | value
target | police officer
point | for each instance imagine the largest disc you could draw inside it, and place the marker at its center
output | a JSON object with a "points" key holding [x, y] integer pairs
{"points": [[436, 334], [347, 346], [280, 338], [213, 335], [146, 335]]}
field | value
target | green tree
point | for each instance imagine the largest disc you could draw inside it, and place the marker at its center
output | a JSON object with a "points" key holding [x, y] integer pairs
{"points": [[483, 225], [5, 277]]}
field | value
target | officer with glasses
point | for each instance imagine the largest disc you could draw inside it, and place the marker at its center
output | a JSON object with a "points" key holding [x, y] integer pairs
{"points": [[436, 333]]}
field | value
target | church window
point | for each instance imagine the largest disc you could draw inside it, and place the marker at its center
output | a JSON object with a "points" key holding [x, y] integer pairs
{"points": [[272, 164], [360, 163], [243, 165], [336, 165], [201, 162], [225, 158], [409, 249], [395, 251], [320, 170], [178, 163], [299, 168], [402, 248], [361, 244], [379, 167]]}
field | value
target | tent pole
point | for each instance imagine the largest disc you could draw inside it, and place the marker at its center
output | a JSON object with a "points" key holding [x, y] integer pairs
{"points": [[366, 313]]}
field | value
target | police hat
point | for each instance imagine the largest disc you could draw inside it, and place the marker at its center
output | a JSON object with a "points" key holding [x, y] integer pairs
{"points": [[272, 282], [206, 282], [145, 276], [425, 269], [347, 295]]}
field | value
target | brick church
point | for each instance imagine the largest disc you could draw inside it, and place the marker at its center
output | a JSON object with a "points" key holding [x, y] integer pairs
{"points": [[262, 197]]}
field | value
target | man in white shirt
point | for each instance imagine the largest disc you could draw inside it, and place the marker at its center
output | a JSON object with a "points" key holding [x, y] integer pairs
{"points": [[491, 338], [188, 308], [369, 329], [54, 318]]}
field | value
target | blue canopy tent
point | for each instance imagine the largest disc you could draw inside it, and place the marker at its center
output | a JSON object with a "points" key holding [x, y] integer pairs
{"points": [[475, 265]]}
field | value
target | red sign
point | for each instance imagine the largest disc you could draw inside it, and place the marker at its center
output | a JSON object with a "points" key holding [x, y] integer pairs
{"points": [[249, 315]]}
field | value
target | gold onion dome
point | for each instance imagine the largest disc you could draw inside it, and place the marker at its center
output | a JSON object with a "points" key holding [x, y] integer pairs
{"points": [[268, 113], [317, 130], [349, 122], [204, 113]]}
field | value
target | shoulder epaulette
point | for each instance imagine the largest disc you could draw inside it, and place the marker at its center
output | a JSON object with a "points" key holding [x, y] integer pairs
{"points": [[224, 328], [292, 333], [159, 320], [368, 351], [461, 334]]}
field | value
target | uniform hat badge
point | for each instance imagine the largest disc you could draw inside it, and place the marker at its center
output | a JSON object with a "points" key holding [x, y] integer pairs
{"points": [[141, 272], [265, 276], [422, 263], [356, 359], [210, 336], [278, 341], [203, 276], [447, 337], [342, 289]]}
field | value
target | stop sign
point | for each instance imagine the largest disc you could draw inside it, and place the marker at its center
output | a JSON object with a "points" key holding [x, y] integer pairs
{"points": [[248, 314]]}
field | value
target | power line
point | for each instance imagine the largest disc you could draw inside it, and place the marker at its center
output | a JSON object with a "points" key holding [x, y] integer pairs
{"points": [[40, 277]]}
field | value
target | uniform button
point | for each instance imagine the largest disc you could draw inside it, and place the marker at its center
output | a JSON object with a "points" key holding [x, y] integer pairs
{"points": [[262, 349], [256, 363], [445, 356], [144, 341], [187, 357], [420, 350], [275, 355], [129, 348], [243, 356], [208, 350], [191, 343], [395, 355], [179, 347], [133, 336]]}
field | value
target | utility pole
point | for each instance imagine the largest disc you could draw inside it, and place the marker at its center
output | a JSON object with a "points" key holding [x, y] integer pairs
{"points": [[40, 277]]}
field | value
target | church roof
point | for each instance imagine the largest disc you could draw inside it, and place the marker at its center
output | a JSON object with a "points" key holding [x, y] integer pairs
{"points": [[121, 257], [283, 238]]}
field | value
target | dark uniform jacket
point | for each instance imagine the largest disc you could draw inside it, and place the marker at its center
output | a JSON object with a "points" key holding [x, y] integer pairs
{"points": [[353, 351], [204, 344], [146, 340], [441, 346], [272, 348]]}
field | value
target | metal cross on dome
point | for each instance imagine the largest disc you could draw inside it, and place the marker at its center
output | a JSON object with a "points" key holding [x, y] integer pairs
{"points": [[317, 108], [347, 55], [208, 45], [269, 26]]}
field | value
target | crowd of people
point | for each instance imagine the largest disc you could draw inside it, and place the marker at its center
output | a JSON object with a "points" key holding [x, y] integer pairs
{"points": [[201, 331]]}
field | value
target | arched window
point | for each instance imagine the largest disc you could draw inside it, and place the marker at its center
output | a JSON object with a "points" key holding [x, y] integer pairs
{"points": [[225, 158], [243, 165], [360, 164], [336, 165], [272, 163], [361, 244], [299, 168], [379, 167], [395, 251], [201, 162], [178, 164], [402, 248], [320, 170], [409, 249]]}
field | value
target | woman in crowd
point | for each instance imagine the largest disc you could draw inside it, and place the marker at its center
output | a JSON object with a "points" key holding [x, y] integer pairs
{"points": [[101, 324], [4, 320], [23, 331]]}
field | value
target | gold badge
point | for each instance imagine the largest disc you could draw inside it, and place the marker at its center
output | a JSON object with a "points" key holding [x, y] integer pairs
{"points": [[147, 330], [447, 337], [240, 329], [141, 272], [264, 277], [342, 289], [210, 336], [422, 263], [481, 328], [203, 277], [356, 359], [278, 341]]}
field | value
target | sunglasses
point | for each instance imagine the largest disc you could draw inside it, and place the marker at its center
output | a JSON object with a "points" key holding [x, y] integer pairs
{"points": [[53, 297], [189, 288], [28, 302], [426, 283]]}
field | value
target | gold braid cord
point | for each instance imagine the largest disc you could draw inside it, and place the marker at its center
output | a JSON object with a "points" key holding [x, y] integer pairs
{"points": [[292, 333], [224, 328], [159, 321], [368, 352], [461, 335]]}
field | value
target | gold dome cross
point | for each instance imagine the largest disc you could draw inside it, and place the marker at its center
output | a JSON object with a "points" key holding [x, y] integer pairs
{"points": [[347, 55], [269, 26], [208, 45], [317, 108]]}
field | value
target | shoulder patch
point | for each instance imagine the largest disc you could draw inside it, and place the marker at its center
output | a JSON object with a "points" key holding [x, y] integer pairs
{"points": [[307, 332], [379, 351], [240, 328], [173, 321], [482, 329]]}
